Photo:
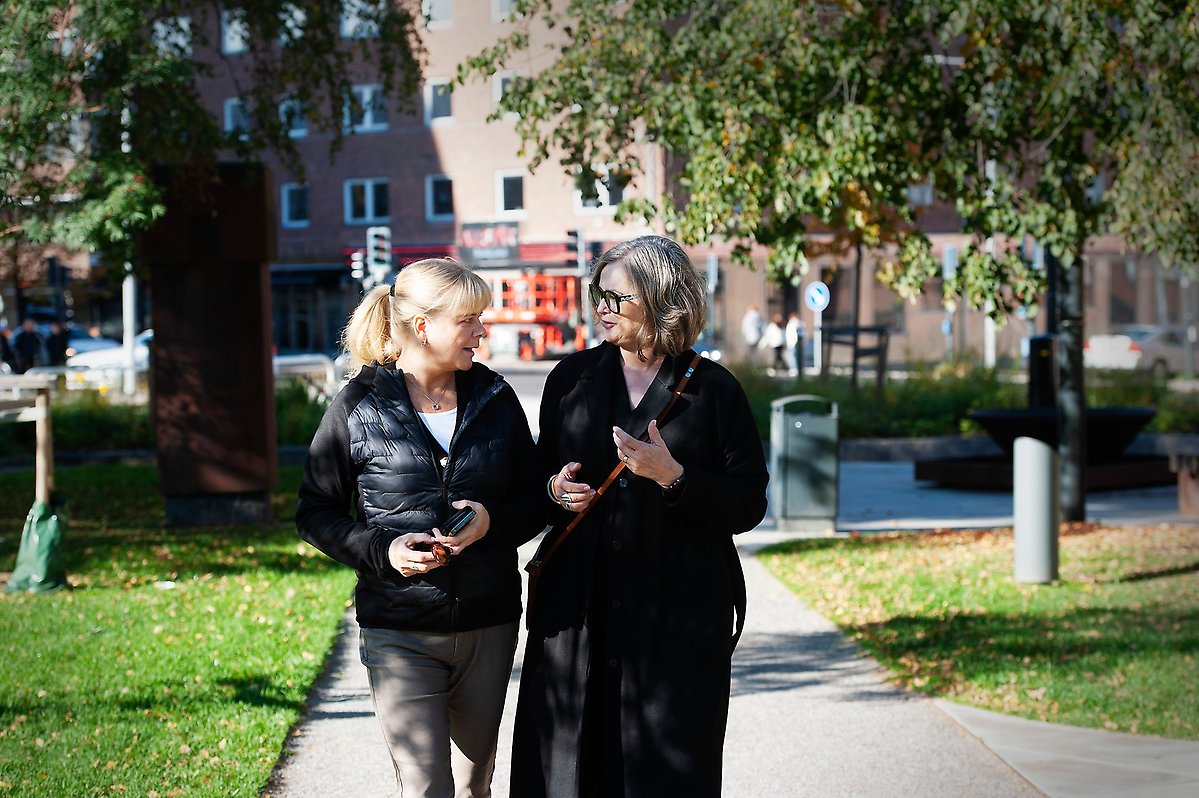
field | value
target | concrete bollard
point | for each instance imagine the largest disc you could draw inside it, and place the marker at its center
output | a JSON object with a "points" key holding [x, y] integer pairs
{"points": [[1037, 510]]}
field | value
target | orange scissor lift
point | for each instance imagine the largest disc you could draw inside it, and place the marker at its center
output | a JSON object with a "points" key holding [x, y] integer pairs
{"points": [[544, 309]]}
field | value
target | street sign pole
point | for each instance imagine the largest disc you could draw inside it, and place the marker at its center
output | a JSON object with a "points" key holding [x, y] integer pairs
{"points": [[816, 297]]}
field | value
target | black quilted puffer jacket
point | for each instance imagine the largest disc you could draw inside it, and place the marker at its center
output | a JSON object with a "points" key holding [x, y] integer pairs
{"points": [[371, 476]]}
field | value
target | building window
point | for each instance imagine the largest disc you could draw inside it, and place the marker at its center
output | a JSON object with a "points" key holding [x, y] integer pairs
{"points": [[359, 19], [366, 201], [609, 192], [501, 10], [438, 105], [368, 111], [510, 193], [920, 195], [235, 36], [295, 205], [501, 83], [291, 114], [438, 13], [439, 198], [237, 117], [173, 36]]}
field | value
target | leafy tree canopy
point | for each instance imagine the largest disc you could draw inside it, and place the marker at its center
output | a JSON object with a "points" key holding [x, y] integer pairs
{"points": [[802, 126], [97, 93]]}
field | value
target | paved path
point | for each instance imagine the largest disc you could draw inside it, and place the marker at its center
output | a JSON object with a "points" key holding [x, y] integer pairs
{"points": [[810, 715]]}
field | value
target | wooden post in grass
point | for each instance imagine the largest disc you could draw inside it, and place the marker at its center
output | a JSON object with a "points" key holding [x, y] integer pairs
{"points": [[211, 385], [34, 408]]}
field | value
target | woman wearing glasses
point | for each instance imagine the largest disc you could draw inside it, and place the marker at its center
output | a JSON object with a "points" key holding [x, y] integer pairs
{"points": [[625, 685], [420, 431]]}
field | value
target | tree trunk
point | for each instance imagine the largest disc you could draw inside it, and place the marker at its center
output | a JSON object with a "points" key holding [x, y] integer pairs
{"points": [[1072, 397]]}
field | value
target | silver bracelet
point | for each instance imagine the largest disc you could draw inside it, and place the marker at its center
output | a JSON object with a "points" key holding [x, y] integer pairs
{"points": [[549, 489]]}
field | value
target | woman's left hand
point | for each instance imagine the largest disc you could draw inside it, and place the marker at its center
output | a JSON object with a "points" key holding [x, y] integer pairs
{"points": [[650, 459], [471, 533]]}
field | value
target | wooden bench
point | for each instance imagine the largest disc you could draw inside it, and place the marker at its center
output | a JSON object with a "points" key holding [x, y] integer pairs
{"points": [[26, 397]]}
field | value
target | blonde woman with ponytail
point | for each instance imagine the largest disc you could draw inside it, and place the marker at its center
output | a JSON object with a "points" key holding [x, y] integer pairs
{"points": [[419, 432]]}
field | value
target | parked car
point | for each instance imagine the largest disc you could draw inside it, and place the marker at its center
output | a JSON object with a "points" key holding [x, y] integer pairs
{"points": [[81, 341], [101, 368], [1155, 348]]}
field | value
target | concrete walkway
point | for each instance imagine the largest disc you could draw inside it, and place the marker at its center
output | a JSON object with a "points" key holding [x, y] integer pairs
{"points": [[810, 714]]}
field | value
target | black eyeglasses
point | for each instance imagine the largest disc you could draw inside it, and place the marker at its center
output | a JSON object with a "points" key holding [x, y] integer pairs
{"points": [[610, 298]]}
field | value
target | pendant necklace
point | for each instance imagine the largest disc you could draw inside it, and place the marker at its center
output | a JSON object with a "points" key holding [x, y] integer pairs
{"points": [[432, 402]]}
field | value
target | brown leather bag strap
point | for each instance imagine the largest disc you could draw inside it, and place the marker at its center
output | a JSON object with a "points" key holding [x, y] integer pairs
{"points": [[539, 563]]}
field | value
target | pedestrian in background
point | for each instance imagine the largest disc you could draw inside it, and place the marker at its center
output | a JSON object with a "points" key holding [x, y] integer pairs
{"points": [[7, 356], [29, 347], [751, 331], [624, 690], [774, 340], [795, 333], [419, 431], [56, 344]]}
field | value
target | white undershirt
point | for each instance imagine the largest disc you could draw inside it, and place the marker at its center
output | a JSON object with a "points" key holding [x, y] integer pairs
{"points": [[441, 425]]}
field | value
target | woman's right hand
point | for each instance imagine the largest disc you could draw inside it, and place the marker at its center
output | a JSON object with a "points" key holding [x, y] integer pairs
{"points": [[569, 494], [410, 561]]}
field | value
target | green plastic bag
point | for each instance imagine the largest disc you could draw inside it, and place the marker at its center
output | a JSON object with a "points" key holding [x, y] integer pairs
{"points": [[40, 567]]}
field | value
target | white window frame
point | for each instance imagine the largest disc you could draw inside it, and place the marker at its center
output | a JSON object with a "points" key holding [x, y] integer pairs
{"points": [[352, 25], [173, 36], [299, 131], [497, 90], [235, 35], [232, 106], [498, 14], [441, 23], [605, 206], [367, 95], [431, 86], [368, 184], [429, 215], [514, 213], [285, 206]]}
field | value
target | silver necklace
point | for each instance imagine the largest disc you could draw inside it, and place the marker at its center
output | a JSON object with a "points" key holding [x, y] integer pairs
{"points": [[436, 405]]}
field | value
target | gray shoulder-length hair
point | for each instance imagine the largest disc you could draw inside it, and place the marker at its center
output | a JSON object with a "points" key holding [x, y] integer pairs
{"points": [[669, 289]]}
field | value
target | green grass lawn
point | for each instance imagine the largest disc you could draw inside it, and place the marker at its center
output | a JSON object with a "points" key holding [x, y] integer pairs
{"points": [[1112, 645], [179, 658]]}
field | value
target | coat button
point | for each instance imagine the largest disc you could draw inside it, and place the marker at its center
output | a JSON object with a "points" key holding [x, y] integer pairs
{"points": [[624, 483], [615, 604], [617, 545], [613, 662]]}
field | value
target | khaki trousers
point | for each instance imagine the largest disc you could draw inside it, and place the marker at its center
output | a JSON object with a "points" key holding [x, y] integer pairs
{"points": [[439, 698]]}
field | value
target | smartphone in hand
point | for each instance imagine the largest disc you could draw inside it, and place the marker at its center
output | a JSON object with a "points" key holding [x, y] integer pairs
{"points": [[458, 521]]}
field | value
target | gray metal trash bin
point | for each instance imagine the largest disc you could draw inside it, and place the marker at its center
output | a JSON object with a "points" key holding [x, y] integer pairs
{"points": [[804, 473]]}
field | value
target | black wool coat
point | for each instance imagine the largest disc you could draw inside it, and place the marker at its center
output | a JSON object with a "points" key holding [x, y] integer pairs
{"points": [[634, 614]]}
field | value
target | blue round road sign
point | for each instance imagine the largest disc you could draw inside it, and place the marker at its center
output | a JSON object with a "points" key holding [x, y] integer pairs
{"points": [[816, 296]]}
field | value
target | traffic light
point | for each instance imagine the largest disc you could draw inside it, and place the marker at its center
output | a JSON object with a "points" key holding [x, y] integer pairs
{"points": [[378, 255], [574, 241], [358, 265]]}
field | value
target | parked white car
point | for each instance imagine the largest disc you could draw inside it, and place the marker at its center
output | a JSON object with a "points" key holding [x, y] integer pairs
{"points": [[102, 368], [1149, 347], [81, 341]]}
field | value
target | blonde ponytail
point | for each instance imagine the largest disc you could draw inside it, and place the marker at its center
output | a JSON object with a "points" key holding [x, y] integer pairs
{"points": [[369, 337], [382, 323]]}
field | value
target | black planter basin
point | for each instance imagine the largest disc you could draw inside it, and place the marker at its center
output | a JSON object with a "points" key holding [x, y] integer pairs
{"points": [[1109, 430]]}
